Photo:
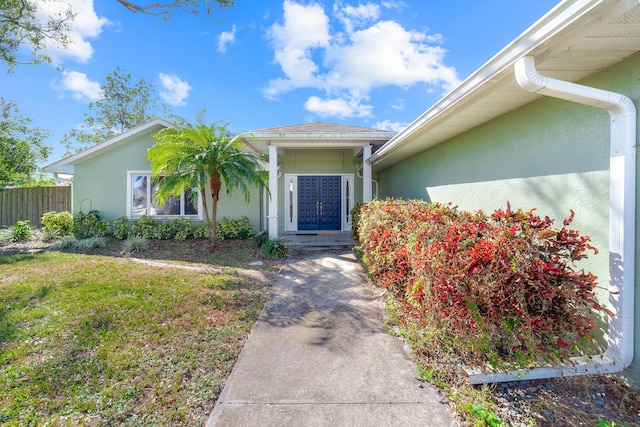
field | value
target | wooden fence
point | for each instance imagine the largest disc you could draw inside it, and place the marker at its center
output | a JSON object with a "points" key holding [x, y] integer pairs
{"points": [[19, 204]]}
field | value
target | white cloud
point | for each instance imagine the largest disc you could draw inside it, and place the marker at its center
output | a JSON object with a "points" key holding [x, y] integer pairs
{"points": [[392, 126], [347, 65], [352, 17], [174, 91], [398, 104], [80, 86], [225, 38], [86, 25], [338, 107], [394, 4], [305, 28]]}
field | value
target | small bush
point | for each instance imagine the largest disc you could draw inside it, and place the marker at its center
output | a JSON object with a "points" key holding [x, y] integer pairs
{"points": [[165, 231], [182, 228], [355, 220], [91, 243], [21, 231], [201, 232], [89, 225], [135, 244], [275, 248], [121, 227], [67, 242], [145, 227], [260, 240], [57, 224], [239, 228]]}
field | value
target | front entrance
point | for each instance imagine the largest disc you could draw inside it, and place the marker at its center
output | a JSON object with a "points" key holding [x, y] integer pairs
{"points": [[319, 201]]}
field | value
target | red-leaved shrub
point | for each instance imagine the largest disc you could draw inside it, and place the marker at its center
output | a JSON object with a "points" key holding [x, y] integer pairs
{"points": [[506, 286]]}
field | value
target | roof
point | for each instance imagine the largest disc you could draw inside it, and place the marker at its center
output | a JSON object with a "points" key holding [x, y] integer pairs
{"points": [[318, 132], [322, 135], [66, 165], [574, 40]]}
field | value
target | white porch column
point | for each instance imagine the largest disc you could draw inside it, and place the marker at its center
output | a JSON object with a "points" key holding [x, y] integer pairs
{"points": [[366, 174], [273, 189]]}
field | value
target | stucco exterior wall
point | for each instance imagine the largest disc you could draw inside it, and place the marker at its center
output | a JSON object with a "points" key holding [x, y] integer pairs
{"points": [[552, 155], [100, 183]]}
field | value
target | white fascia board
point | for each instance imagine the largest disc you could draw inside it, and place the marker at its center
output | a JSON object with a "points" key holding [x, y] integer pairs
{"points": [[320, 144], [565, 14], [382, 135], [96, 149]]}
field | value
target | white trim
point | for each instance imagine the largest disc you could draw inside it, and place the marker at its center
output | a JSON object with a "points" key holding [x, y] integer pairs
{"points": [[66, 165], [347, 179], [543, 38], [129, 213], [273, 189], [366, 174], [291, 219], [622, 220]]}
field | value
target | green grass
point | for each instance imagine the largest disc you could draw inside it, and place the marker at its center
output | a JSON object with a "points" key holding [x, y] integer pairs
{"points": [[98, 340]]}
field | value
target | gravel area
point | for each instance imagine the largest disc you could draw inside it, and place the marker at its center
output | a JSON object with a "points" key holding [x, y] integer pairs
{"points": [[575, 401]]}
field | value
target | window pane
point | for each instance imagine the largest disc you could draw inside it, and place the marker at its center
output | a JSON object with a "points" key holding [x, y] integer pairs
{"points": [[139, 194], [171, 206], [190, 208]]}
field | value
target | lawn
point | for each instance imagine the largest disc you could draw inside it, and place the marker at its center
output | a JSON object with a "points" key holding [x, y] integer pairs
{"points": [[98, 339]]}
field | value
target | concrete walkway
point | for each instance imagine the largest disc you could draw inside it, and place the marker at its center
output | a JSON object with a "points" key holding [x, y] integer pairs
{"points": [[319, 356]]}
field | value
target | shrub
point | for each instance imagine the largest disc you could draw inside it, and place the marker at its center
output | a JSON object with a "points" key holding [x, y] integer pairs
{"points": [[503, 288], [134, 244], [145, 227], [182, 228], [275, 248], [121, 227], [57, 224], [201, 232], [239, 228], [67, 242], [355, 220], [260, 240], [88, 225], [21, 231], [91, 243], [165, 231]]}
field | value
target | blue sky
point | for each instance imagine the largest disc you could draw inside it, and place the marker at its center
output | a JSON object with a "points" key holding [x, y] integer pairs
{"points": [[272, 62]]}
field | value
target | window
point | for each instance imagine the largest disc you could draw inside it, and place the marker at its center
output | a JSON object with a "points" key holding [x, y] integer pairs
{"points": [[142, 201]]}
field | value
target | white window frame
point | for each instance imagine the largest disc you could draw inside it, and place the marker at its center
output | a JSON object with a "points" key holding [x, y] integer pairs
{"points": [[130, 214], [291, 220]]}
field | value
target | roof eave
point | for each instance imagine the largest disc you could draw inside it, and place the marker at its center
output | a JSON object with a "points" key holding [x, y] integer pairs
{"points": [[66, 165], [536, 40]]}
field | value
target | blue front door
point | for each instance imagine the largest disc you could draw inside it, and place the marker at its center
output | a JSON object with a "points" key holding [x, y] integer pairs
{"points": [[319, 203]]}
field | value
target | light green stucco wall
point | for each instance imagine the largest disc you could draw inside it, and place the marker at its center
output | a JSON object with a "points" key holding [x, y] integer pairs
{"points": [[101, 184], [316, 162], [552, 155]]}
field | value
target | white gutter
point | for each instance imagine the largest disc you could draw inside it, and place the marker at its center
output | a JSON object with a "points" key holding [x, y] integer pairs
{"points": [[622, 173]]}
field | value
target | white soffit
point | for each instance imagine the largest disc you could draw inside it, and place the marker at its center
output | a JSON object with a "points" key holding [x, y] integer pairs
{"points": [[584, 37]]}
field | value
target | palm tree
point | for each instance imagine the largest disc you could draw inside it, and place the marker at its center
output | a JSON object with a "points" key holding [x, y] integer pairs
{"points": [[192, 157]]}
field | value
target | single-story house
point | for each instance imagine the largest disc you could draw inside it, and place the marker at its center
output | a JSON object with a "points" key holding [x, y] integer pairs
{"points": [[317, 173], [549, 123]]}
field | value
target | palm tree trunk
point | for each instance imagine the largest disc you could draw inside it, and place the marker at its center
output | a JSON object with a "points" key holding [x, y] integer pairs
{"points": [[215, 184], [205, 208]]}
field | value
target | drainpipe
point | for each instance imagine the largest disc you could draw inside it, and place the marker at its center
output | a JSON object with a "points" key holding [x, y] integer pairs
{"points": [[622, 170]]}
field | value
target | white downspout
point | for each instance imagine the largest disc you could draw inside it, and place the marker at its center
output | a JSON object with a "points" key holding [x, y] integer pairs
{"points": [[622, 112]]}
